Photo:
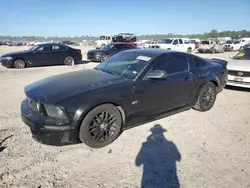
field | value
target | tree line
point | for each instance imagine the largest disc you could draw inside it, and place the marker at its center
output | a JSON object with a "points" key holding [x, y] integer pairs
{"points": [[212, 34]]}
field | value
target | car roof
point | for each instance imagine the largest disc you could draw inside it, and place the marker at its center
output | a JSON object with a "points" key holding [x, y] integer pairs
{"points": [[153, 52]]}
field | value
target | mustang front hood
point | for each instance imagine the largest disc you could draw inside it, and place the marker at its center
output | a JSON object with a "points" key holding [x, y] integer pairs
{"points": [[239, 65], [56, 88]]}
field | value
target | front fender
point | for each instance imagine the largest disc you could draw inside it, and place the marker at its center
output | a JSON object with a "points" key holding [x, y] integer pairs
{"points": [[83, 110]]}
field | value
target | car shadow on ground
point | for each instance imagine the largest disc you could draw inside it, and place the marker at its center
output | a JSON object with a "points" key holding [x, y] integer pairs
{"points": [[158, 157], [2, 147], [237, 88]]}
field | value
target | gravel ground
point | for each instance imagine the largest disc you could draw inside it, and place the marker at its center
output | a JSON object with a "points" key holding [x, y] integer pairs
{"points": [[199, 150]]}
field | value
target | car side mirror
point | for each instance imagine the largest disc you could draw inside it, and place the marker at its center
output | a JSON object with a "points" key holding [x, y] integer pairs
{"points": [[157, 74]]}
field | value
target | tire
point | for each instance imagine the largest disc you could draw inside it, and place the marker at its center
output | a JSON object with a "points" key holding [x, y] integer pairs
{"points": [[210, 92], [189, 50], [223, 50], [68, 60], [104, 57], [96, 136], [19, 64], [212, 51]]}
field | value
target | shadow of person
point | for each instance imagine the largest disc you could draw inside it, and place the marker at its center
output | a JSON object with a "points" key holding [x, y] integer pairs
{"points": [[158, 157]]}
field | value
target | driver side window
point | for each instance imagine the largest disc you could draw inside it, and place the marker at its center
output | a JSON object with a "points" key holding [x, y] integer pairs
{"points": [[43, 49], [175, 42], [172, 63]]}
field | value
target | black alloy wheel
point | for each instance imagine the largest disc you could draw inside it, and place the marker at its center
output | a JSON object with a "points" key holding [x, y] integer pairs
{"points": [[101, 126], [68, 60], [206, 98], [19, 64]]}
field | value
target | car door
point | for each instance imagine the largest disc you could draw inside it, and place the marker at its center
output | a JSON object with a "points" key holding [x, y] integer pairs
{"points": [[175, 45], [236, 45], [41, 56], [176, 89], [182, 46], [58, 54]]}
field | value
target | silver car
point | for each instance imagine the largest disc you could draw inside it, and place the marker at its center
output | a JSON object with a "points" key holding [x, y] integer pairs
{"points": [[239, 69]]}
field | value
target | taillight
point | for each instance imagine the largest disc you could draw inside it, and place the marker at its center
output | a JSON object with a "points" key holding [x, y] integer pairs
{"points": [[79, 51]]}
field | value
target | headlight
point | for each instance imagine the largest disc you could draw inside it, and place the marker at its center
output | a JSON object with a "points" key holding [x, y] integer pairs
{"points": [[97, 55], [55, 111], [6, 58]]}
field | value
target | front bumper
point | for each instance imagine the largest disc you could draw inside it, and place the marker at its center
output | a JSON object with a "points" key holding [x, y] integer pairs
{"points": [[44, 131], [238, 81], [93, 57], [6, 63]]}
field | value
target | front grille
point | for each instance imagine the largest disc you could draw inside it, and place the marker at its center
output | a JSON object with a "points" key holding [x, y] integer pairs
{"points": [[239, 73], [237, 82]]}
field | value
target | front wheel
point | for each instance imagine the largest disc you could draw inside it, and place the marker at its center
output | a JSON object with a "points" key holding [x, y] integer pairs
{"points": [[19, 64], [189, 50], [101, 126], [206, 97], [68, 60]]}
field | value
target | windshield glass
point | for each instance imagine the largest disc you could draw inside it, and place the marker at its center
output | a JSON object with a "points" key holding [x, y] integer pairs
{"points": [[205, 42], [108, 46], [102, 37], [243, 55], [168, 41], [32, 48], [126, 64], [229, 42]]}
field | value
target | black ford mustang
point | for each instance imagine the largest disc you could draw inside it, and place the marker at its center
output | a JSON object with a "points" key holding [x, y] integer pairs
{"points": [[42, 54], [134, 86]]}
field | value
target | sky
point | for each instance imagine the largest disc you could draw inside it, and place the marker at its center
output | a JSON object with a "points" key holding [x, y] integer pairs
{"points": [[109, 17]]}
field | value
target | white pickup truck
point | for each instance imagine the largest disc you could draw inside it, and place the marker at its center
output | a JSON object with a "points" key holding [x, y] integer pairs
{"points": [[177, 44]]}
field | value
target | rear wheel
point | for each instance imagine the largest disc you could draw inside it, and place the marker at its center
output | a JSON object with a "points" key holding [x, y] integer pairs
{"points": [[68, 60], [101, 126], [189, 50], [19, 64], [206, 98]]}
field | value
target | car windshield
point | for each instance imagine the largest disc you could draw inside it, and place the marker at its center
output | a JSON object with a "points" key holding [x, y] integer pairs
{"points": [[108, 46], [168, 41], [102, 37], [32, 48], [243, 55], [125, 64], [229, 42], [205, 42]]}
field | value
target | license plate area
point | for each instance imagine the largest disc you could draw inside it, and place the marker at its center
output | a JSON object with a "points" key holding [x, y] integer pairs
{"points": [[238, 79]]}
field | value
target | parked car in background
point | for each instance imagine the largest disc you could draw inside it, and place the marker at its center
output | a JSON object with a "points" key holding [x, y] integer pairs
{"points": [[235, 45], [40, 55], [177, 44], [130, 88], [211, 45], [149, 44], [109, 50], [239, 69], [223, 39], [246, 46]]}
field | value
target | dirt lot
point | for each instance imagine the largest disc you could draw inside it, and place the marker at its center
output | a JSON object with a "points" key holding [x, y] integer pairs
{"points": [[202, 150]]}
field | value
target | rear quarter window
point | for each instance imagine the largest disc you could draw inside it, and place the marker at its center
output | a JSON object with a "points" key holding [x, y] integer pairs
{"points": [[199, 63]]}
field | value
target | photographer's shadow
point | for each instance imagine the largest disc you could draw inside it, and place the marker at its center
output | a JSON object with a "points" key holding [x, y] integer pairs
{"points": [[158, 157]]}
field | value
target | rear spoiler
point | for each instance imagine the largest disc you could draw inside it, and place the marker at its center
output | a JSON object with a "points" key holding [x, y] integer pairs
{"points": [[220, 61]]}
